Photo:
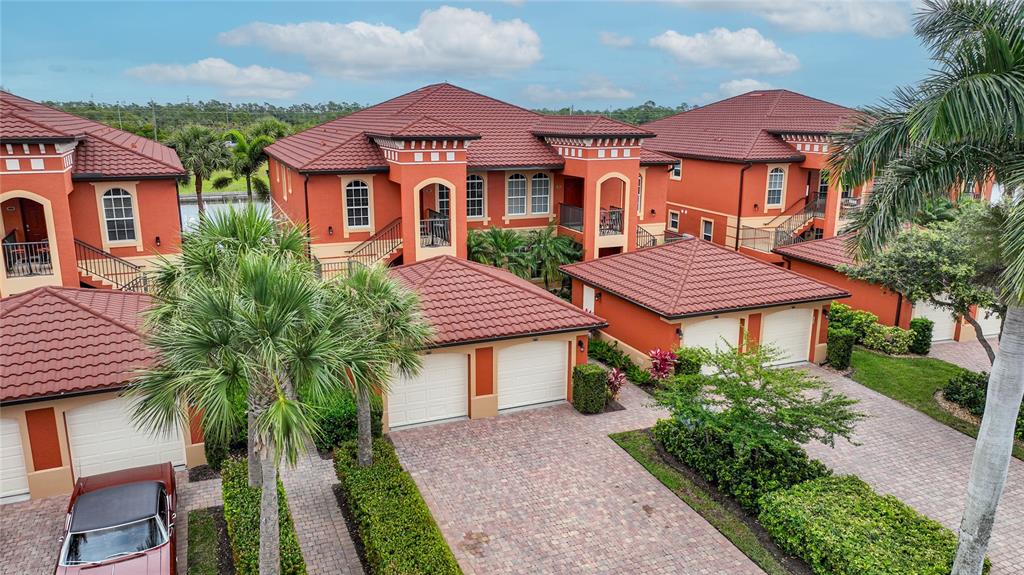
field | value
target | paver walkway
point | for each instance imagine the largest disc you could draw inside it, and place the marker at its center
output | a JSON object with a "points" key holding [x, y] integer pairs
{"points": [[546, 491], [323, 534], [925, 464], [967, 354]]}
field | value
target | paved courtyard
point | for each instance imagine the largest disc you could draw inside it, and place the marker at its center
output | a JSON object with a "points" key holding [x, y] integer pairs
{"points": [[546, 491], [967, 354]]}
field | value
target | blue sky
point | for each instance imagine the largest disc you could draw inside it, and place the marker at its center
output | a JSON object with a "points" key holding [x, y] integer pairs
{"points": [[536, 54]]}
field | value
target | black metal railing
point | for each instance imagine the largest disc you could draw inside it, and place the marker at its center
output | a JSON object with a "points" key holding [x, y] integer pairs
{"points": [[380, 245], [122, 274], [787, 232], [23, 259], [435, 232], [849, 205], [611, 221], [645, 239], [570, 217]]}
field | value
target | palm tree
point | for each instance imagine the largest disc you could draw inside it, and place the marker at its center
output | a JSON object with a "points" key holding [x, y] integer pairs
{"points": [[964, 123], [548, 250], [242, 313], [500, 248], [268, 126], [398, 331], [202, 152], [246, 159]]}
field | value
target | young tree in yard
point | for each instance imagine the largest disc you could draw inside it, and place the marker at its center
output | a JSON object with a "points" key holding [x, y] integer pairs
{"points": [[964, 123], [242, 313], [548, 250], [247, 158], [202, 151], [393, 324]]}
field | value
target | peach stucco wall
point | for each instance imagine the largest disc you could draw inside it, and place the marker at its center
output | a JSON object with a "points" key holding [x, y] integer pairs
{"points": [[863, 295]]}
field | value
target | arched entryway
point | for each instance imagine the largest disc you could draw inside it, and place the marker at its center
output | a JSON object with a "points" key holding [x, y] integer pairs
{"points": [[26, 238], [434, 208], [612, 193]]}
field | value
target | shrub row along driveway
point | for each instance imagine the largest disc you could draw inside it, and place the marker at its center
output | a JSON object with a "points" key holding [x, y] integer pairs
{"points": [[546, 491]]}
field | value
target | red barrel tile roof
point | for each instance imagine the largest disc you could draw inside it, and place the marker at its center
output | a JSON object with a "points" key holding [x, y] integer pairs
{"points": [[102, 151], [652, 158], [746, 127], [828, 252], [692, 277], [593, 126], [470, 302], [57, 341]]}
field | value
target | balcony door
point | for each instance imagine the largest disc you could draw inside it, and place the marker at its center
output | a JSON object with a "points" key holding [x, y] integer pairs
{"points": [[33, 220]]}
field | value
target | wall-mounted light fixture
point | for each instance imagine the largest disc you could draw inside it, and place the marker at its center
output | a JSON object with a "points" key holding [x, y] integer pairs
{"points": [[158, 241], [653, 211], [755, 206], [597, 296], [679, 332], [330, 230], [580, 345]]}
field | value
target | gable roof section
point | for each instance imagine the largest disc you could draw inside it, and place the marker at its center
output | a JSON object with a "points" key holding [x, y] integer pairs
{"points": [[56, 341], [102, 152], [470, 302], [654, 158], [587, 126], [692, 277], [829, 252], [745, 127]]}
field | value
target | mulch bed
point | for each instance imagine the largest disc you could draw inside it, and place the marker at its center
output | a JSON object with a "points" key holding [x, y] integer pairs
{"points": [[350, 522], [792, 564], [962, 413], [202, 473], [612, 405], [225, 560]]}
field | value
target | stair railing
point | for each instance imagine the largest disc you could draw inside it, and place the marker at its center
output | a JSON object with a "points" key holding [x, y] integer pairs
{"points": [[121, 273]]}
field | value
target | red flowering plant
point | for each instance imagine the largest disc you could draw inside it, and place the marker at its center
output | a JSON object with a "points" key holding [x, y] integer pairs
{"points": [[663, 363], [616, 379]]}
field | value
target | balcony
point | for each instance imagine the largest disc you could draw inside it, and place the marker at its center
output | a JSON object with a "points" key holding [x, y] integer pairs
{"points": [[570, 217], [611, 221], [24, 259], [849, 205], [435, 231]]}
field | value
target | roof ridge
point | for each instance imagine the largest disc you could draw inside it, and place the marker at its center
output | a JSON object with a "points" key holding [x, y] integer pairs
{"points": [[432, 270], [426, 92], [475, 93], [27, 297], [788, 271], [686, 275], [95, 312], [318, 158], [31, 121]]}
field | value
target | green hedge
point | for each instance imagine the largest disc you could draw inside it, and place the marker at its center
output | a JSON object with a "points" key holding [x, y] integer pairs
{"points": [[609, 354], [891, 340], [689, 360], [968, 389], [398, 533], [589, 388], [242, 515], [921, 335], [338, 421], [839, 526], [855, 320], [744, 476], [840, 347]]}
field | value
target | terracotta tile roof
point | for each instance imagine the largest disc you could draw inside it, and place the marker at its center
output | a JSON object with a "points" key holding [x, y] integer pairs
{"points": [[694, 277], [466, 302], [828, 252], [102, 151], [595, 126], [745, 127], [55, 341], [427, 127], [653, 157]]}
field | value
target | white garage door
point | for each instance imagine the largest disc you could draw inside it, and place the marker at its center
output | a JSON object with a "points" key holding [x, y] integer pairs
{"points": [[989, 325], [103, 438], [13, 481], [531, 373], [440, 391], [944, 328], [789, 332], [709, 333]]}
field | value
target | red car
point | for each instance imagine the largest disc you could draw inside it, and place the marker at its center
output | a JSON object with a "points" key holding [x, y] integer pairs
{"points": [[121, 522]]}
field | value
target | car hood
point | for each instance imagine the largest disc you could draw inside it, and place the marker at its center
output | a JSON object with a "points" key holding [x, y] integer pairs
{"points": [[156, 561]]}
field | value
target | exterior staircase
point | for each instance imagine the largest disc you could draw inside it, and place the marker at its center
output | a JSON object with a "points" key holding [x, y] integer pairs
{"points": [[104, 270], [788, 229], [384, 246]]}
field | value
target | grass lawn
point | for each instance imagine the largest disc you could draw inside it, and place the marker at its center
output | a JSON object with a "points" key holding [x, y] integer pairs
{"points": [[640, 446], [912, 381], [203, 543], [237, 185]]}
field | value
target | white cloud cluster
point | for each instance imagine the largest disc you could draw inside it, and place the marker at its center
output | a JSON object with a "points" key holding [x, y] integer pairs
{"points": [[592, 88], [232, 80], [616, 40], [455, 40], [877, 18], [743, 50]]}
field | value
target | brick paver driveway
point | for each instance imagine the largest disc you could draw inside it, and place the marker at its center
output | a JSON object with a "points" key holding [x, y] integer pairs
{"points": [[546, 491], [968, 353], [925, 464]]}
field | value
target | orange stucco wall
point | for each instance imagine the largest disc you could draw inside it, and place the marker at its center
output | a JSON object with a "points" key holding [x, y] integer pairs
{"points": [[863, 295], [158, 216], [43, 438], [634, 325], [652, 211], [484, 371]]}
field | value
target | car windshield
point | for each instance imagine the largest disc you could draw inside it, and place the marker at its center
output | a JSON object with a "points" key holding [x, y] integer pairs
{"points": [[112, 542]]}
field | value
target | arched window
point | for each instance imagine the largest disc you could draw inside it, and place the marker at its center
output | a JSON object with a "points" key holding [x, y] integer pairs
{"points": [[474, 196], [515, 195], [540, 194], [357, 204], [775, 179], [119, 215]]}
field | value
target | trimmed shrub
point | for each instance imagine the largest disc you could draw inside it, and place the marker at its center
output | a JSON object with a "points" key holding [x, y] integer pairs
{"points": [[891, 340], [338, 421], [589, 388], [242, 515], [398, 533], [855, 320], [840, 347], [216, 451], [689, 360], [969, 389], [838, 525], [745, 476], [921, 340]]}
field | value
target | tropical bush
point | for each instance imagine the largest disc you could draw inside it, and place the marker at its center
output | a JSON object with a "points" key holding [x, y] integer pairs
{"points": [[242, 515], [609, 354], [921, 339], [840, 347], [337, 419], [891, 340], [689, 360], [589, 388], [398, 533], [855, 320], [639, 375], [616, 379], [838, 525], [969, 389], [663, 363]]}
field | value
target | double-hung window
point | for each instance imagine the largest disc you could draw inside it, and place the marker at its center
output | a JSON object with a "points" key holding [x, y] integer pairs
{"points": [[444, 200], [118, 215], [540, 194], [673, 221], [515, 195], [677, 170], [775, 179], [474, 196], [822, 184], [357, 204], [639, 195], [707, 229]]}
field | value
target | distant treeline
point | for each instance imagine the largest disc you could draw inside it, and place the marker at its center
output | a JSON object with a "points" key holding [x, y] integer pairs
{"points": [[140, 118]]}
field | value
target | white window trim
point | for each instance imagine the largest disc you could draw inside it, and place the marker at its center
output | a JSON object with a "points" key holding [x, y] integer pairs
{"points": [[345, 181], [768, 177], [483, 216], [678, 220], [437, 199], [709, 221], [551, 193], [526, 205], [104, 187], [640, 192], [672, 171]]}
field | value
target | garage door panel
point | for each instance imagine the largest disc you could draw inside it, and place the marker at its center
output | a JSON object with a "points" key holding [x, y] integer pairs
{"points": [[440, 391], [789, 332], [989, 325], [532, 373], [13, 478], [103, 438], [712, 333], [945, 325]]}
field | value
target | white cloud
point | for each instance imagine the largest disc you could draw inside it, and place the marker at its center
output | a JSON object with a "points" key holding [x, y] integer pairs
{"points": [[744, 50], [878, 18], [233, 81], [593, 88], [616, 40], [742, 86], [455, 40]]}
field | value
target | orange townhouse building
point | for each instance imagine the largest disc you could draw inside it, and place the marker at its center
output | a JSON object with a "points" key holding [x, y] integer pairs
{"points": [[82, 203], [406, 179]]}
